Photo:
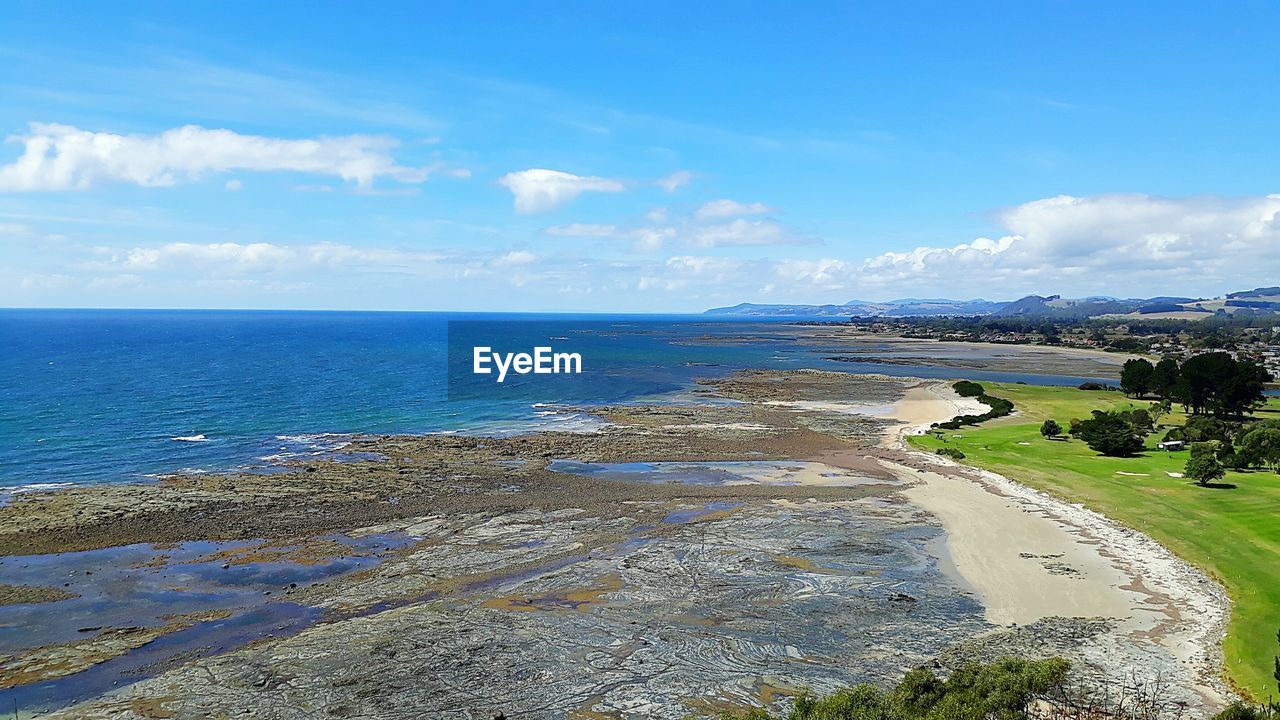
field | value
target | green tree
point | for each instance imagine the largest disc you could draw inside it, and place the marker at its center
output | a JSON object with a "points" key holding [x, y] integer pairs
{"points": [[1158, 410], [1141, 420], [1136, 377], [1218, 383], [1164, 378], [1203, 465], [1244, 390], [1110, 433], [1050, 429], [1073, 427], [1203, 428], [1262, 445]]}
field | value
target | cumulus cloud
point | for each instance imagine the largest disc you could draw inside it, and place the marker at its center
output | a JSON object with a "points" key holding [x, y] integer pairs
{"points": [[513, 258], [1131, 245], [62, 157], [729, 208], [708, 226], [539, 190], [823, 274], [649, 239], [236, 258], [745, 232], [978, 252], [582, 230], [675, 180], [253, 257], [1117, 244], [643, 239], [115, 282]]}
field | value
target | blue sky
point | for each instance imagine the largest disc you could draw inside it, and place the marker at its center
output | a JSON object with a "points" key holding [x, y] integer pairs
{"points": [[633, 156]]}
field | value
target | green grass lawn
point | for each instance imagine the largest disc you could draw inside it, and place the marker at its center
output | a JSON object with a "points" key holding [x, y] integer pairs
{"points": [[1231, 533]]}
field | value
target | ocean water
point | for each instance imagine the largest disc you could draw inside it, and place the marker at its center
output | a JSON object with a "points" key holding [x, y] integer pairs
{"points": [[109, 396]]}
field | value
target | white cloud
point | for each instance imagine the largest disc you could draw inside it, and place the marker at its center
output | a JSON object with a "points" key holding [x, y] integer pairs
{"points": [[337, 256], [62, 157], [15, 230], [115, 282], [716, 209], [823, 274], [643, 239], [43, 281], [237, 258], [1128, 245], [745, 232], [539, 190], [254, 257], [977, 252], [675, 180], [233, 184], [514, 258], [649, 239], [702, 265], [706, 227], [583, 230]]}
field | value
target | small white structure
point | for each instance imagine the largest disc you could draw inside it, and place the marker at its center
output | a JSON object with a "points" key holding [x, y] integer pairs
{"points": [[1171, 445]]}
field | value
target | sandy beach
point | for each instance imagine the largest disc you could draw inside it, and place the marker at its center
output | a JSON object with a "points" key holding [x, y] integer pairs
{"points": [[1031, 556]]}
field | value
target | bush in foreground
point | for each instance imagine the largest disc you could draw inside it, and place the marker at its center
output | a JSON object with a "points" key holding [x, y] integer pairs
{"points": [[1003, 690], [1007, 689], [965, 388]]}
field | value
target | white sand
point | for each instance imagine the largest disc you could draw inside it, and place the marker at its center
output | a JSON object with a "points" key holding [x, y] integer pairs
{"points": [[1029, 556]]}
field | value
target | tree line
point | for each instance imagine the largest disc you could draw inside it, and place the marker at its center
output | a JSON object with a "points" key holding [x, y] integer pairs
{"points": [[1210, 383]]}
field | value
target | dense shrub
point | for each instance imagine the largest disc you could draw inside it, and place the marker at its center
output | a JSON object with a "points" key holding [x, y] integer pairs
{"points": [[951, 453], [1110, 433], [1240, 711], [1007, 688], [999, 406]]}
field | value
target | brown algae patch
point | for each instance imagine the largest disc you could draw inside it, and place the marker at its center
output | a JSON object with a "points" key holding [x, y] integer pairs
{"points": [[580, 600], [30, 594], [55, 661]]}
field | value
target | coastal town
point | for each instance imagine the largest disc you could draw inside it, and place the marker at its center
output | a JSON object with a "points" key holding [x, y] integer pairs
{"points": [[1259, 342]]}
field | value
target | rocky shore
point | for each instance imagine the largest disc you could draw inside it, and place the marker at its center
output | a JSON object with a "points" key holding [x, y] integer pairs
{"points": [[787, 545]]}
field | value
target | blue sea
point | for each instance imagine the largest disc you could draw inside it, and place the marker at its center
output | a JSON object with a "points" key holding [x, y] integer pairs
{"points": [[91, 396]]}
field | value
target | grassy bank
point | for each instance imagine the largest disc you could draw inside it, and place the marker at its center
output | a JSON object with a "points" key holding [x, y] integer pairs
{"points": [[1233, 533]]}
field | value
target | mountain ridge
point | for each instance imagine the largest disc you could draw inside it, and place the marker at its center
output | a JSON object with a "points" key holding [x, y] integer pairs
{"points": [[1264, 300]]}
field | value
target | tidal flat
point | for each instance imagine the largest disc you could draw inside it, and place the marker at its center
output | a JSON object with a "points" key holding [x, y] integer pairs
{"points": [[717, 553]]}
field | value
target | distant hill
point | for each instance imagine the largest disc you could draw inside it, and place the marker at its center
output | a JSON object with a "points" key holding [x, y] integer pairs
{"points": [[1256, 292], [1056, 307], [909, 307], [1260, 301]]}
